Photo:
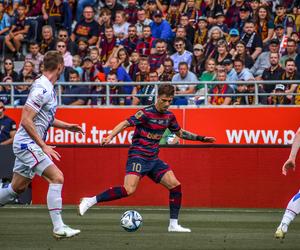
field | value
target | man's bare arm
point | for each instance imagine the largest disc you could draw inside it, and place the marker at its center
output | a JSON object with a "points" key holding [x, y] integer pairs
{"points": [[117, 129], [183, 134], [291, 161], [68, 126]]}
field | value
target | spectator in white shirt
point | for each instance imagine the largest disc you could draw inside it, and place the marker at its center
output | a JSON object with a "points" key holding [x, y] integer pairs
{"points": [[189, 80], [182, 55], [121, 26]]}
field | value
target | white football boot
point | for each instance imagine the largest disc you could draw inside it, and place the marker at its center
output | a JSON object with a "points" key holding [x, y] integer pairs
{"points": [[179, 229], [281, 231], [65, 232], [85, 204]]}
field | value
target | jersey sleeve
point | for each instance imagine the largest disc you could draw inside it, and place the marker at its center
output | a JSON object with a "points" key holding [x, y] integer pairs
{"points": [[37, 98], [174, 126], [138, 118]]}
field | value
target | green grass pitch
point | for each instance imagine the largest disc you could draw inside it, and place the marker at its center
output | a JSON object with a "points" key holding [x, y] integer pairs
{"points": [[29, 228]]}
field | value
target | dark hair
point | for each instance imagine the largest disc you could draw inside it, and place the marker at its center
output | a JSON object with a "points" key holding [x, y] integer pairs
{"points": [[28, 77], [63, 29], [89, 6], [52, 59], [250, 21], [12, 61], [33, 42], [168, 59], [179, 39], [183, 63], [131, 26], [166, 89], [108, 27], [239, 60], [112, 73], [153, 72], [146, 26], [291, 40], [159, 41], [126, 62], [21, 5], [106, 11], [289, 60], [73, 72]]}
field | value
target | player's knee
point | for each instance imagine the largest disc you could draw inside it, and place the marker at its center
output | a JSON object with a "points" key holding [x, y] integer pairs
{"points": [[58, 178], [174, 184], [19, 189], [130, 189]]}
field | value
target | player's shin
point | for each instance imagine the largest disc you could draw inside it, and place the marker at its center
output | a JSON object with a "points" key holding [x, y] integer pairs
{"points": [[113, 193], [54, 202], [7, 195], [175, 204], [293, 208]]}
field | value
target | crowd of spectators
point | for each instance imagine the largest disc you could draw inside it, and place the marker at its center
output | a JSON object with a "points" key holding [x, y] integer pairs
{"points": [[190, 41]]}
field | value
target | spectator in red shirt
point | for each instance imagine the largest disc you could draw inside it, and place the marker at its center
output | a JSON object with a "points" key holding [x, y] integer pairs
{"points": [[146, 44], [107, 44]]}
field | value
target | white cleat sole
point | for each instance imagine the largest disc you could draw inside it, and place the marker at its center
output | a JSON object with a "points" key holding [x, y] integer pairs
{"points": [[64, 236]]}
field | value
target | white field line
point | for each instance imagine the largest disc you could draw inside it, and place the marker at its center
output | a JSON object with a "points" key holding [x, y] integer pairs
{"points": [[223, 210]]}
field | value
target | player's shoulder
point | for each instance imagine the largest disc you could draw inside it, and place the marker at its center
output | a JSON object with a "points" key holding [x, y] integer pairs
{"points": [[149, 108], [41, 84]]}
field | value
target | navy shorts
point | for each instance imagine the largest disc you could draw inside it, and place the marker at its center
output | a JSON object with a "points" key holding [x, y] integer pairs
{"points": [[154, 169]]}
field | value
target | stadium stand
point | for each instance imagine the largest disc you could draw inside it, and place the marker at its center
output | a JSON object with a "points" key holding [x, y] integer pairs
{"points": [[98, 37]]}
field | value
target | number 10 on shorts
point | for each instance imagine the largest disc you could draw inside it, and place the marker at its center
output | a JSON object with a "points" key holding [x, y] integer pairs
{"points": [[136, 167]]}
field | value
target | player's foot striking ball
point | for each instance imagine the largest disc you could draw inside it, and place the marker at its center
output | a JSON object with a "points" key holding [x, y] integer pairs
{"points": [[150, 124]]}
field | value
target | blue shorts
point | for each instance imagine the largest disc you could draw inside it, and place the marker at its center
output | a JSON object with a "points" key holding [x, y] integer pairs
{"points": [[154, 169]]}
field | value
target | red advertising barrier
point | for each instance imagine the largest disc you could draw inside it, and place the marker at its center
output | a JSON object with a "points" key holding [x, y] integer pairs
{"points": [[211, 176], [270, 125]]}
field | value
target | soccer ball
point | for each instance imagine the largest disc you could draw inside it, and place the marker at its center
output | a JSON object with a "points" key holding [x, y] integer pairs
{"points": [[131, 221]]}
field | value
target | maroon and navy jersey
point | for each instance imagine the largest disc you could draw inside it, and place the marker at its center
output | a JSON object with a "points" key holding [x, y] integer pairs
{"points": [[150, 126]]}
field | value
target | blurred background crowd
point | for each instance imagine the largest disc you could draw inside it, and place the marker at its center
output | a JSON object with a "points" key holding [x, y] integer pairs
{"points": [[190, 41]]}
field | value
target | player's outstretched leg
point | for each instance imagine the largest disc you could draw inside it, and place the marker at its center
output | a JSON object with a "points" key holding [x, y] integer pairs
{"points": [[131, 182], [293, 208], [170, 182], [54, 203], [7, 195], [113, 193]]}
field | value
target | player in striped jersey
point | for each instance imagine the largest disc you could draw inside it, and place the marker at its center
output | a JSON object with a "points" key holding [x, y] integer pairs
{"points": [[150, 124]]}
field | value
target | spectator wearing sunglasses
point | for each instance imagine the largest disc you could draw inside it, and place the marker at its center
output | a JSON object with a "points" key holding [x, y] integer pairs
{"points": [[63, 35], [62, 48]]}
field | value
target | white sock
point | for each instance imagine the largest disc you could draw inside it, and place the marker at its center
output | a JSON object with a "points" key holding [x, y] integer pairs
{"points": [[93, 200], [293, 208], [173, 222], [7, 195], [54, 202]]}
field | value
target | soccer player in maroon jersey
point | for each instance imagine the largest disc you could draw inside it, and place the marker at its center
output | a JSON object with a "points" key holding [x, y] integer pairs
{"points": [[150, 124]]}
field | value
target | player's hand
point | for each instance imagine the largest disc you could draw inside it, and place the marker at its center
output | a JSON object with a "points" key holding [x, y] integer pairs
{"points": [[209, 139], [287, 165], [75, 128], [106, 141], [49, 150]]}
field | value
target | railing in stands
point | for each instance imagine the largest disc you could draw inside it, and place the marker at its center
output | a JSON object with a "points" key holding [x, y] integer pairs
{"points": [[195, 99]]}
